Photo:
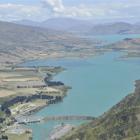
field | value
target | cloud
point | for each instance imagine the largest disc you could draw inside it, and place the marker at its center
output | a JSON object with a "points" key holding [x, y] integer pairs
{"points": [[9, 11], [59, 9], [115, 9], [54, 5], [120, 9]]}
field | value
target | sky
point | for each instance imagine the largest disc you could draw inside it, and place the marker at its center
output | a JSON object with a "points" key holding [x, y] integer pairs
{"points": [[39, 10]]}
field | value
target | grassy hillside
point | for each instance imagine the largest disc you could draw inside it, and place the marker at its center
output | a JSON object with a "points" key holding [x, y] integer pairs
{"points": [[19, 42], [122, 122]]}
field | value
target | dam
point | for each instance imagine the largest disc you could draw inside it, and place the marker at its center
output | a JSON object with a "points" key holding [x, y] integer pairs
{"points": [[33, 119]]}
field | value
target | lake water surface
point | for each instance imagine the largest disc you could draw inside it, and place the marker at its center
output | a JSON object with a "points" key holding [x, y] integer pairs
{"points": [[97, 84]]}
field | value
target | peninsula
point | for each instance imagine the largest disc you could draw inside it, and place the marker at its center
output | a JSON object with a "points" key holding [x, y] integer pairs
{"points": [[23, 91]]}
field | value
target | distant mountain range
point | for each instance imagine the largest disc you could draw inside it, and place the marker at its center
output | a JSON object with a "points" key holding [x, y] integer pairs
{"points": [[24, 42], [63, 24], [19, 43], [85, 26], [116, 28]]}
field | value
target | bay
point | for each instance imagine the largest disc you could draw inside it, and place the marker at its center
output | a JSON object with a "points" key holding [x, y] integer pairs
{"points": [[97, 84]]}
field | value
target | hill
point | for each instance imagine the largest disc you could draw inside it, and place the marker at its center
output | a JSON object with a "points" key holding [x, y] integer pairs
{"points": [[122, 122], [85, 26], [19, 43], [115, 28], [61, 24], [130, 46]]}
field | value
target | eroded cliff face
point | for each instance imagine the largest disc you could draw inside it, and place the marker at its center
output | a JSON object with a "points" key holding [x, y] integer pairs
{"points": [[121, 122]]}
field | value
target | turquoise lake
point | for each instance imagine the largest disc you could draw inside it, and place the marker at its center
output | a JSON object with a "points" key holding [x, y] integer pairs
{"points": [[97, 84]]}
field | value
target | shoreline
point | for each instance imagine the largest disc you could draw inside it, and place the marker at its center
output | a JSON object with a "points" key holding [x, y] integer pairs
{"points": [[126, 107], [59, 91], [39, 109]]}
